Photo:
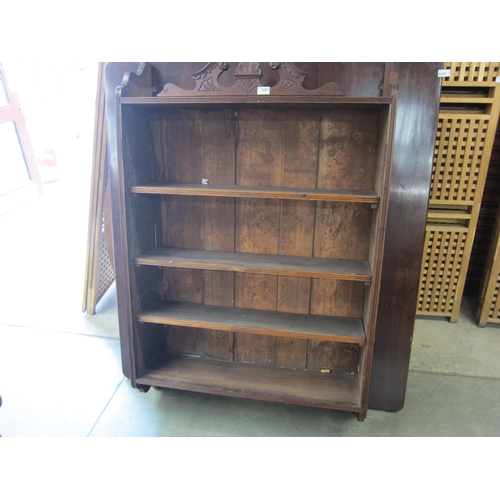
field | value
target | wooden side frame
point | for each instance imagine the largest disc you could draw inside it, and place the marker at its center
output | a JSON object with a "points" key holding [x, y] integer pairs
{"points": [[99, 269]]}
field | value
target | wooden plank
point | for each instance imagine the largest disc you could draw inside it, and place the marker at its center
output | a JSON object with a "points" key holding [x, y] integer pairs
{"points": [[446, 227], [218, 290], [342, 230], [337, 298], [178, 155], [348, 150], [259, 163], [450, 114], [99, 269], [300, 164], [218, 145], [114, 74], [448, 214], [439, 169], [469, 84], [261, 101], [335, 357], [348, 196], [257, 228], [261, 382], [257, 322], [466, 98], [283, 265], [181, 340], [456, 150], [418, 94]]}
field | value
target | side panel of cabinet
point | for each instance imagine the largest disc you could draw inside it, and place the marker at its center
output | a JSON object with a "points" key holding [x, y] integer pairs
{"points": [[418, 98], [114, 73]]}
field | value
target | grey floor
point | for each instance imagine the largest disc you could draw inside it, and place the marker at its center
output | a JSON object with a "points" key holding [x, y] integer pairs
{"points": [[60, 372]]}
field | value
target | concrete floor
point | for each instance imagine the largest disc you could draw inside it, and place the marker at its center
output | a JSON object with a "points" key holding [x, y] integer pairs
{"points": [[60, 372]]}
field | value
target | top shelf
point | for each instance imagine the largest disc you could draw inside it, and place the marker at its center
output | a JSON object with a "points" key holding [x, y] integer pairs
{"points": [[259, 192], [232, 101]]}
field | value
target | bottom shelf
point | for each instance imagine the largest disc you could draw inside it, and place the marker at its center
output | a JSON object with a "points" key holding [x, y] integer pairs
{"points": [[245, 380]]}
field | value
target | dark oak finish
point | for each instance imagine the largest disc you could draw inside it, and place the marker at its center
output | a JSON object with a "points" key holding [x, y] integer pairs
{"points": [[302, 175]]}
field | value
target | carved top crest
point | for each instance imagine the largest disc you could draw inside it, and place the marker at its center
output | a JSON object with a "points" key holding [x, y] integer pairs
{"points": [[248, 75]]}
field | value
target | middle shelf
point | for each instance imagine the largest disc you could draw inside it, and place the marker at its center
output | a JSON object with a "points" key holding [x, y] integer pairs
{"points": [[236, 319], [282, 265], [283, 193]]}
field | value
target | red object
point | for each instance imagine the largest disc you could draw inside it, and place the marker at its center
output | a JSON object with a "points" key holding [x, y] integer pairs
{"points": [[46, 158]]}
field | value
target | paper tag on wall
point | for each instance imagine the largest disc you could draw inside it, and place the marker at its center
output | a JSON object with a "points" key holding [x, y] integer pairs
{"points": [[442, 73]]}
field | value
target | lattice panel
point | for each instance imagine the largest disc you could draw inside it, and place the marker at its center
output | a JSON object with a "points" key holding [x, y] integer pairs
{"points": [[472, 71], [440, 272], [105, 271], [458, 154], [99, 269]]}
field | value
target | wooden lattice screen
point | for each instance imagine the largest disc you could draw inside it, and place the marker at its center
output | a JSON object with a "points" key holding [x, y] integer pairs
{"points": [[472, 72], [457, 167], [468, 117], [489, 298], [99, 269], [442, 261]]}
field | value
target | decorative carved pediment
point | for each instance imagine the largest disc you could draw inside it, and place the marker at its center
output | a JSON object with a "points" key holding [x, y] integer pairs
{"points": [[248, 75]]}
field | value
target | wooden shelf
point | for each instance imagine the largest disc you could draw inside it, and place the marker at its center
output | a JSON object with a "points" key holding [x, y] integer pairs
{"points": [[283, 102], [259, 192], [255, 321], [268, 383], [282, 265]]}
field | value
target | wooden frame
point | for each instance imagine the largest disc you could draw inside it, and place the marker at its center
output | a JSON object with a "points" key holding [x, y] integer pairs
{"points": [[99, 268]]}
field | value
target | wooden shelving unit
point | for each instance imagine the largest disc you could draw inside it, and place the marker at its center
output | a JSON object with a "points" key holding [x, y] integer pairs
{"points": [[250, 234]]}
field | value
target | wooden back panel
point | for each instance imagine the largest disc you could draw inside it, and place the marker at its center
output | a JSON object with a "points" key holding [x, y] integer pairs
{"points": [[285, 148]]}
